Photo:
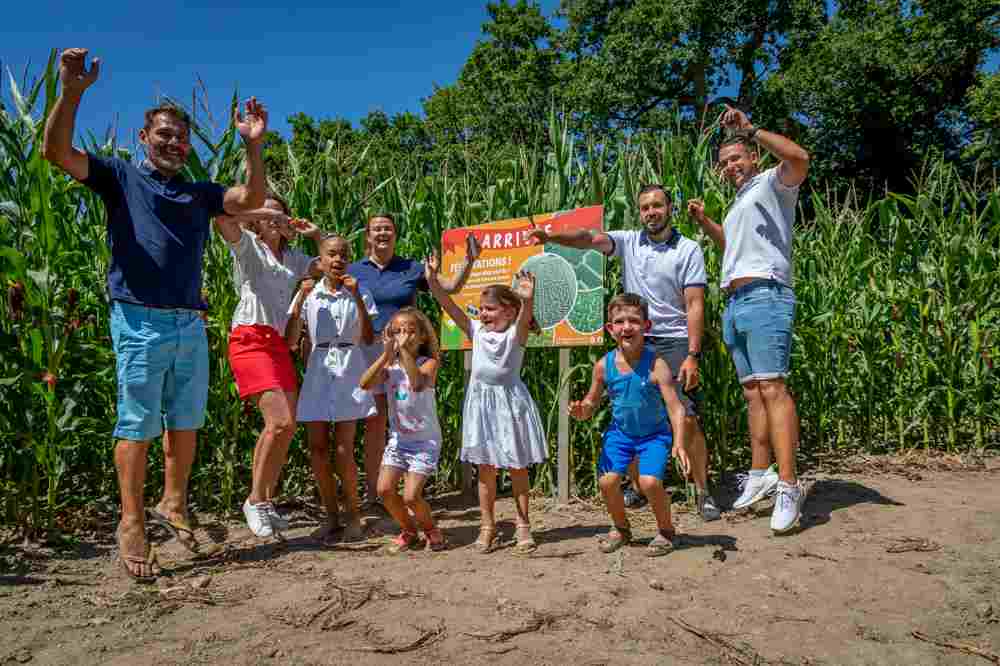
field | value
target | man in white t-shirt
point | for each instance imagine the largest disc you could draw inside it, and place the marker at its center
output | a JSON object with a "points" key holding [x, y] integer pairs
{"points": [[668, 271], [756, 239]]}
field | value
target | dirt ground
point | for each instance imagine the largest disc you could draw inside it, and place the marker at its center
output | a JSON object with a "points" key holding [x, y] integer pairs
{"points": [[894, 564]]}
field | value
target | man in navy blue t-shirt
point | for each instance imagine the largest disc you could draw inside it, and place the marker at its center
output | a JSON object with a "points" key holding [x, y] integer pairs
{"points": [[158, 225]]}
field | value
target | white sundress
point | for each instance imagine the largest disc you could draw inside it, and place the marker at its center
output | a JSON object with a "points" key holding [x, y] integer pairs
{"points": [[330, 389], [500, 422]]}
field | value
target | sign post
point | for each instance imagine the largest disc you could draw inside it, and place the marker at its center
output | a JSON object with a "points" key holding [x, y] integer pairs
{"points": [[568, 304]]}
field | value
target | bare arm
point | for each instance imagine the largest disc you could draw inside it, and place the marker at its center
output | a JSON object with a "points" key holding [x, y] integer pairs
{"points": [[582, 239], [293, 329], [694, 298], [675, 410], [57, 144], [367, 329], [584, 409], [696, 210], [472, 251], [247, 197], [421, 377], [376, 373], [444, 299], [794, 160], [526, 292]]}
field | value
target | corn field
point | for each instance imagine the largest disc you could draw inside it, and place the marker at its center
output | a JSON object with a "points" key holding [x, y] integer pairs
{"points": [[894, 339]]}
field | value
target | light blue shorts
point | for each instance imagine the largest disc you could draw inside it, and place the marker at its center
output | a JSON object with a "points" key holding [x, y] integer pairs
{"points": [[162, 359], [757, 329], [417, 457]]}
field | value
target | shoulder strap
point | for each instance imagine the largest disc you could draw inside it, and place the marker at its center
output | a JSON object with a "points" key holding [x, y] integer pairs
{"points": [[646, 362], [610, 371]]}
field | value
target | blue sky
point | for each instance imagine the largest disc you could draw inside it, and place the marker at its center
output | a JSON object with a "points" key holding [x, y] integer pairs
{"points": [[339, 61]]}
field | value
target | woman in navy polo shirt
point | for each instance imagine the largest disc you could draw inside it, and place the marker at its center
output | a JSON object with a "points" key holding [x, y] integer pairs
{"points": [[394, 282]]}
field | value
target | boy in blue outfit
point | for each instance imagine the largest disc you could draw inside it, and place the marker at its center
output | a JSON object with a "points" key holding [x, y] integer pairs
{"points": [[646, 411]]}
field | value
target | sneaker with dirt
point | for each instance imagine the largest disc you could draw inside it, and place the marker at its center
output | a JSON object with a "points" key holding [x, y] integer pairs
{"points": [[707, 508], [787, 507], [757, 485], [633, 499], [278, 522], [259, 518]]}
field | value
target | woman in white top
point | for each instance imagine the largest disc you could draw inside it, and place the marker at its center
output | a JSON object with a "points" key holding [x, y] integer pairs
{"points": [[265, 273]]}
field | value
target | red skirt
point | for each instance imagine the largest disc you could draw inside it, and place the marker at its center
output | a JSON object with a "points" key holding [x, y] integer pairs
{"points": [[261, 361]]}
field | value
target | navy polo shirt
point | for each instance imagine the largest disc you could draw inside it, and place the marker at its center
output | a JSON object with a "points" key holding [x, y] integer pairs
{"points": [[393, 287], [157, 231]]}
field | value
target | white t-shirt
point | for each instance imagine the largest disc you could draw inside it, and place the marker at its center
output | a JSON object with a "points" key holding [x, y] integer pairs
{"points": [[496, 357], [758, 230], [332, 316], [264, 283], [412, 414], [660, 272]]}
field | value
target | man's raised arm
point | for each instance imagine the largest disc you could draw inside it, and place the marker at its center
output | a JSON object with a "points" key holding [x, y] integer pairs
{"points": [[583, 239], [252, 127], [57, 146]]}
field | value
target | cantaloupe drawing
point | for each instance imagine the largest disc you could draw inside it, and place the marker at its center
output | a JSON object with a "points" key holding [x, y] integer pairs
{"points": [[555, 287]]}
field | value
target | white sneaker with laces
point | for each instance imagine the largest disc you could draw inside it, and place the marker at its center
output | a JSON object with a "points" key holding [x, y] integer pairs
{"points": [[259, 518], [756, 488], [787, 507]]}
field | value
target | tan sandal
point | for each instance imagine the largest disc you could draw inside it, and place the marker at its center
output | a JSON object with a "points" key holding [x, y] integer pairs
{"points": [[149, 559], [662, 544], [525, 541], [616, 538], [488, 540]]}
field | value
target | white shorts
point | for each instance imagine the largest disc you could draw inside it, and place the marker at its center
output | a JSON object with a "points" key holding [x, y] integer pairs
{"points": [[417, 457]]}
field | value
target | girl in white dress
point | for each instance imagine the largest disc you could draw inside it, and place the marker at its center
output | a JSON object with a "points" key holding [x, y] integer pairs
{"points": [[501, 426], [408, 369], [338, 314]]}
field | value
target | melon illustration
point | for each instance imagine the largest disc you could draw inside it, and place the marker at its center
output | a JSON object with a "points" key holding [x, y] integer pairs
{"points": [[555, 287]]}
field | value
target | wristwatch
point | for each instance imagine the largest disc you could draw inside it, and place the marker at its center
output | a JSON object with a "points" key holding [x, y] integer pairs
{"points": [[696, 355]]}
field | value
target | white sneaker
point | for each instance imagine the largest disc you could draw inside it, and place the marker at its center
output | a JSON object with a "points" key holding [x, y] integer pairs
{"points": [[278, 522], [787, 507], [756, 488], [259, 518]]}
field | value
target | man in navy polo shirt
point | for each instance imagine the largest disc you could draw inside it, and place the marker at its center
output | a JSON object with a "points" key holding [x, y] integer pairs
{"points": [[158, 225]]}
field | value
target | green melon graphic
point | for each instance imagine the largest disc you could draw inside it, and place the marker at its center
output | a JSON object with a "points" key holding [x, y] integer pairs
{"points": [[555, 287], [587, 315]]}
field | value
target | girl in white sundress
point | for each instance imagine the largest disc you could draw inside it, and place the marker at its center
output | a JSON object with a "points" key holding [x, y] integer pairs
{"points": [[501, 426], [338, 314], [408, 369]]}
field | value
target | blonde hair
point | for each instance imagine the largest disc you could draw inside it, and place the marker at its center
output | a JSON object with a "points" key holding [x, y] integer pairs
{"points": [[429, 347], [506, 296]]}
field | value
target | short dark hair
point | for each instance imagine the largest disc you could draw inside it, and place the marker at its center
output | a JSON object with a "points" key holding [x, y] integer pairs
{"points": [[747, 144], [280, 201], [655, 187], [628, 300], [169, 109]]}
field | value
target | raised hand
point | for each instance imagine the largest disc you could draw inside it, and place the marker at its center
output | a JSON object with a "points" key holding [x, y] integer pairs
{"points": [[539, 236], [696, 209], [389, 344], [432, 264], [350, 284], [524, 285], [734, 119], [580, 409], [304, 227], [403, 339], [253, 125], [307, 286], [73, 72], [472, 247]]}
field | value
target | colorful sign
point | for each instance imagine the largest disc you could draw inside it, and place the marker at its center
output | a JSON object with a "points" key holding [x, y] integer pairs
{"points": [[569, 292]]}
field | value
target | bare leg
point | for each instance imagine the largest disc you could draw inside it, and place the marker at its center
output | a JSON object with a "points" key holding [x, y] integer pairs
{"points": [[611, 489], [347, 470], [697, 452], [783, 425], [278, 408], [178, 455], [521, 486], [633, 474], [760, 440], [388, 490], [652, 488], [413, 496], [487, 495], [318, 434], [130, 461], [374, 444]]}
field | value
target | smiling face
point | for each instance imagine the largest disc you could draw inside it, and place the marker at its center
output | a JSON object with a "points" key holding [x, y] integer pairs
{"points": [[334, 256], [167, 139], [274, 230], [628, 327], [495, 315], [405, 324], [381, 236], [737, 164], [654, 211]]}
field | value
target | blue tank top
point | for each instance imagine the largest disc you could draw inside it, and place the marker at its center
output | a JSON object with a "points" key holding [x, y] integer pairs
{"points": [[636, 404]]}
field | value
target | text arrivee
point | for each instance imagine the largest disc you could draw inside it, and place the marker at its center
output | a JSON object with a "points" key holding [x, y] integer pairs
{"points": [[505, 240]]}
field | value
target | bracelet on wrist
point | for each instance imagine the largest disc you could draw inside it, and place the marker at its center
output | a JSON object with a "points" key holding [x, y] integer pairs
{"points": [[696, 355]]}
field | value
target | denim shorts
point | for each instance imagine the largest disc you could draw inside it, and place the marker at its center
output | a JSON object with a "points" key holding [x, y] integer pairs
{"points": [[653, 452], [162, 359], [416, 457], [757, 329], [674, 351]]}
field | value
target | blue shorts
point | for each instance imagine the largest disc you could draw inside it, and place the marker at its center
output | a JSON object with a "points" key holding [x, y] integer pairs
{"points": [[757, 329], [619, 449], [162, 360]]}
